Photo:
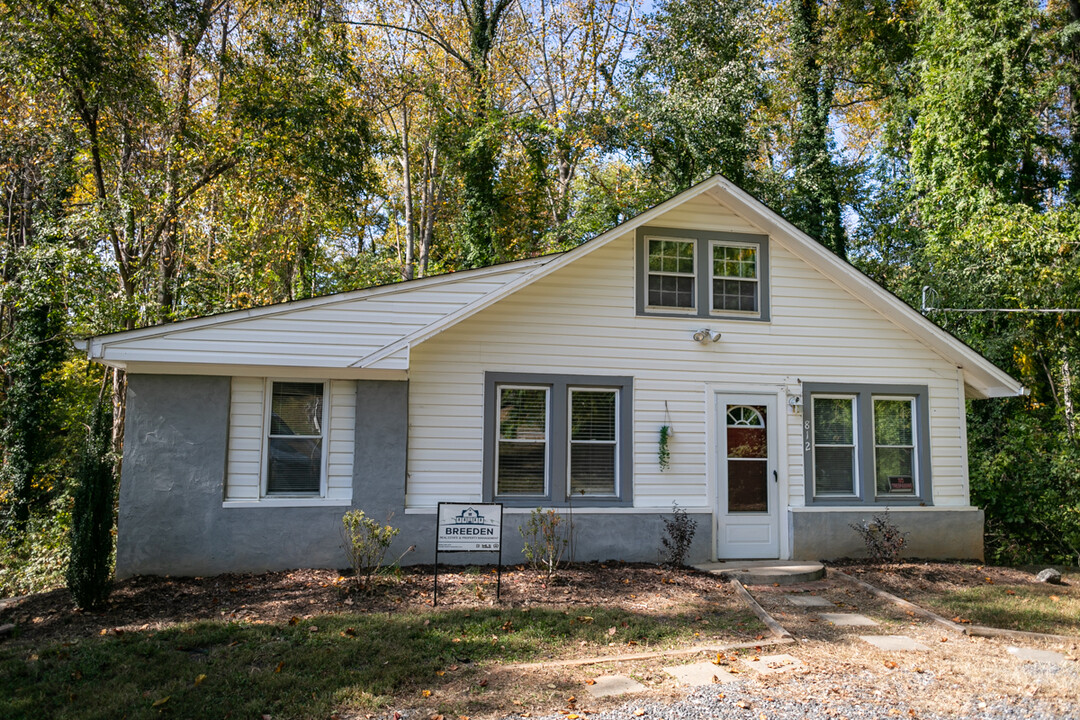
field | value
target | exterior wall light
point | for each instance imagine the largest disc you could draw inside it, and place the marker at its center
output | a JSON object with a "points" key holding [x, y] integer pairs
{"points": [[705, 335], [795, 403]]}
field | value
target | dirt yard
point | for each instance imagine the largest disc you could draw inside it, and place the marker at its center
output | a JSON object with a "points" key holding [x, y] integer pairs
{"points": [[954, 675]]}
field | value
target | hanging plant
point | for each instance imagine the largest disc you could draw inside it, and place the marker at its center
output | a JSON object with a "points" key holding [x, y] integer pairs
{"points": [[663, 453]]}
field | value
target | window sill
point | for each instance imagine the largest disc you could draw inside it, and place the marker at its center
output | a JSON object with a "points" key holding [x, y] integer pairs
{"points": [[906, 501], [292, 502]]}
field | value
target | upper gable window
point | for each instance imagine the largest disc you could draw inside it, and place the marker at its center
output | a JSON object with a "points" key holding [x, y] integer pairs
{"points": [[701, 273], [735, 281], [671, 273]]}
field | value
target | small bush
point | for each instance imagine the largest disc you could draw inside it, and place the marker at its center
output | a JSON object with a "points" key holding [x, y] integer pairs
{"points": [[882, 538], [680, 531], [366, 543], [545, 535], [90, 568]]}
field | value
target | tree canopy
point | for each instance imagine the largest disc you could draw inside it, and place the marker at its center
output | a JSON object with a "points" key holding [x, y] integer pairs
{"points": [[164, 160]]}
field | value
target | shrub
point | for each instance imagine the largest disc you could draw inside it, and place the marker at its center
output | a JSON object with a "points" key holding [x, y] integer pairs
{"points": [[882, 538], [366, 543], [680, 531], [545, 535], [90, 568]]}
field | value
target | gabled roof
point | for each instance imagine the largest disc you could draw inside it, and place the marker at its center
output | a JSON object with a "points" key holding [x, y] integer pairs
{"points": [[374, 329]]}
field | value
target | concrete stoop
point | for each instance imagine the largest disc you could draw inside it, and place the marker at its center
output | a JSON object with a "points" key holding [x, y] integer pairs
{"points": [[766, 572]]}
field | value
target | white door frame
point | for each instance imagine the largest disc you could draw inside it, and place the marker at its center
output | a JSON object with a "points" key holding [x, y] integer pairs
{"points": [[780, 427]]}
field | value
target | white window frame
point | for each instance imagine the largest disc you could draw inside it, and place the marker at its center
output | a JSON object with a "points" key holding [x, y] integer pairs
{"points": [[915, 487], [268, 411], [856, 480], [570, 442], [499, 439], [693, 275], [713, 244]]}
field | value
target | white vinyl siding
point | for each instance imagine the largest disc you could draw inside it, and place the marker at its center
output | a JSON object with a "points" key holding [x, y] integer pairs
{"points": [[324, 333], [582, 320], [245, 468]]}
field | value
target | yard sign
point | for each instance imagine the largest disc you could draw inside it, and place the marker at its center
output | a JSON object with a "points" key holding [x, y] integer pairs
{"points": [[468, 527]]}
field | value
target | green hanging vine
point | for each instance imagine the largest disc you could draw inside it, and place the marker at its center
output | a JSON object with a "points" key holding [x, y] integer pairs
{"points": [[663, 453]]}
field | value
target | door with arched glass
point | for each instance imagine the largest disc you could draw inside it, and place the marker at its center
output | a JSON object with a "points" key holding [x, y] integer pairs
{"points": [[748, 487]]}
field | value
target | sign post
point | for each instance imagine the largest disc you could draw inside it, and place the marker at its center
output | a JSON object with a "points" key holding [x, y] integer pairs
{"points": [[468, 527]]}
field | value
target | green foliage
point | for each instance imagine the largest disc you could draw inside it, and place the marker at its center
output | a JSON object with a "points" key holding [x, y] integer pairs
{"points": [[366, 543], [815, 202], [35, 350], [980, 137], [546, 538], [663, 451], [36, 559], [679, 531], [696, 85], [89, 572], [1023, 475]]}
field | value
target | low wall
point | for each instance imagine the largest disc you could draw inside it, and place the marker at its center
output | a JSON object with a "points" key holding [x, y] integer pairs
{"points": [[932, 533]]}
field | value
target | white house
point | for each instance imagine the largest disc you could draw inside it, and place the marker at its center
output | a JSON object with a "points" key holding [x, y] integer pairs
{"points": [[800, 397]]}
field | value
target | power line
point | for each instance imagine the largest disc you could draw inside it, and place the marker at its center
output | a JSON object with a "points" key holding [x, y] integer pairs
{"points": [[1040, 311]]}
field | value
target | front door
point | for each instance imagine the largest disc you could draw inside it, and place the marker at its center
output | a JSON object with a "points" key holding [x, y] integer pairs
{"points": [[748, 516]]}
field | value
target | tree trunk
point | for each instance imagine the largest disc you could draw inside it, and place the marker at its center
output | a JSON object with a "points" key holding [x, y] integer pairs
{"points": [[406, 172]]}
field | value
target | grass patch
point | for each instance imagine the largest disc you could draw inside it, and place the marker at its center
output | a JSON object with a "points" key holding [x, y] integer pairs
{"points": [[355, 662], [1033, 608]]}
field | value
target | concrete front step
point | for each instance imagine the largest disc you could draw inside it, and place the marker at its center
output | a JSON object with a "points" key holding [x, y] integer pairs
{"points": [[766, 572]]}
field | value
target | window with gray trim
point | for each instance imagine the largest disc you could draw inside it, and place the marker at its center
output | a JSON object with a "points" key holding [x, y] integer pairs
{"points": [[557, 439], [866, 444], [701, 273]]}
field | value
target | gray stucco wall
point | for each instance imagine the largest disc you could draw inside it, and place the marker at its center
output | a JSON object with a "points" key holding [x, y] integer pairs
{"points": [[172, 520], [937, 534]]}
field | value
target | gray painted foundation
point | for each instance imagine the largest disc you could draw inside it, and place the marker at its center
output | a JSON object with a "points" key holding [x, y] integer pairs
{"points": [[934, 533], [172, 520]]}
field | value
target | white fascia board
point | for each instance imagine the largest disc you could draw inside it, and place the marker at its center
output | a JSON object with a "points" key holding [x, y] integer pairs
{"points": [[559, 261], [95, 346], [985, 379], [276, 371]]}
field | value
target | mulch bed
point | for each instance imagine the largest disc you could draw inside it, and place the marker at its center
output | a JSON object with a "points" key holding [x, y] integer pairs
{"points": [[143, 603], [909, 579]]}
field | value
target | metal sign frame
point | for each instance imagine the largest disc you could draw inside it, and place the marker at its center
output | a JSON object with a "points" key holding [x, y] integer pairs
{"points": [[467, 523]]}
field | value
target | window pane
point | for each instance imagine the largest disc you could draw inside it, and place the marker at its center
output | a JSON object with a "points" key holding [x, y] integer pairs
{"points": [[675, 256], [295, 466], [748, 486], [833, 421], [735, 295], [895, 474], [892, 422], [734, 261], [523, 414], [296, 408], [592, 469], [521, 468], [592, 415], [747, 442], [671, 291], [834, 470]]}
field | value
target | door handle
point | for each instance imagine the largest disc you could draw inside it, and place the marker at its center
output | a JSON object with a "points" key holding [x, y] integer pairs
{"points": [[775, 477]]}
